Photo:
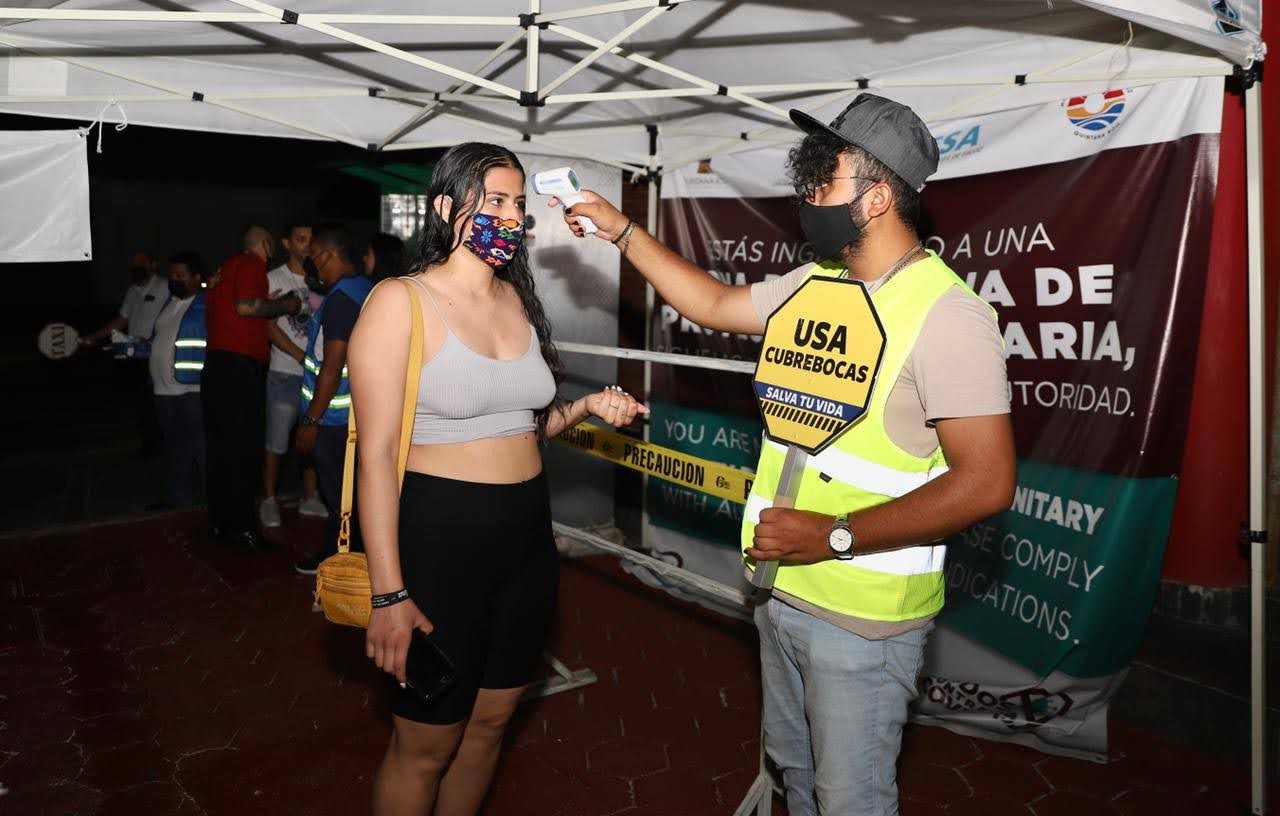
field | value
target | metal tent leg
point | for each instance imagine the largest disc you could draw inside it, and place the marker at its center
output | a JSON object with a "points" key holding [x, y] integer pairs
{"points": [[562, 680]]}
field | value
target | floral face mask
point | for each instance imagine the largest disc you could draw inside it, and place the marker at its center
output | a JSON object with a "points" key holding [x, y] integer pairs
{"points": [[494, 240]]}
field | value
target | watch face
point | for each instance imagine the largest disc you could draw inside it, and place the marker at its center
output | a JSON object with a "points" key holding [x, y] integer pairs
{"points": [[840, 540]]}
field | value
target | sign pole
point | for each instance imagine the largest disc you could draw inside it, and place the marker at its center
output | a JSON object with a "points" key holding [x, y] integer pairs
{"points": [[785, 496]]}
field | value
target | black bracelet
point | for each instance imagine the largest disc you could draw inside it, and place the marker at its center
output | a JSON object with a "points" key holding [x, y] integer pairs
{"points": [[626, 232], [389, 599]]}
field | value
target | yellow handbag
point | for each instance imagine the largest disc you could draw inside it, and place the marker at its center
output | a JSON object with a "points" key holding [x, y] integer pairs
{"points": [[343, 589]]}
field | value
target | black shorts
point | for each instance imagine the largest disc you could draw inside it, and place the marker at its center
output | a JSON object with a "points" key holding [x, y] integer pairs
{"points": [[480, 561]]}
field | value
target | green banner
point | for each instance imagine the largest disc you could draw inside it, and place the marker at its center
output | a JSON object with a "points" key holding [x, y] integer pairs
{"points": [[724, 438], [1063, 580]]}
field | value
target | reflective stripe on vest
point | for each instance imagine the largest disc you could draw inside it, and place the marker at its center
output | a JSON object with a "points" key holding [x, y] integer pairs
{"points": [[190, 342], [356, 287], [864, 468]]}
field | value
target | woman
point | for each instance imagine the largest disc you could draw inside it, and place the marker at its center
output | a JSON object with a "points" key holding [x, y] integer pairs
{"points": [[470, 535], [383, 257]]}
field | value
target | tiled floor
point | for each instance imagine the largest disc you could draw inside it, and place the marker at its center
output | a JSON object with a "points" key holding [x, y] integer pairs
{"points": [[145, 672]]}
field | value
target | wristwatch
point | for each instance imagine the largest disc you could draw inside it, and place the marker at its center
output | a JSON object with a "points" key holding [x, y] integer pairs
{"points": [[308, 421], [840, 539]]}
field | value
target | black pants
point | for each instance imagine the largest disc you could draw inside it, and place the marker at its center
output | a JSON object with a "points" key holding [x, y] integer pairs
{"points": [[329, 457], [233, 390], [137, 376], [182, 420], [480, 561]]}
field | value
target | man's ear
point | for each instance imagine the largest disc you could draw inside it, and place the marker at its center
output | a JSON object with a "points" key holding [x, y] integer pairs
{"points": [[443, 206], [878, 201]]}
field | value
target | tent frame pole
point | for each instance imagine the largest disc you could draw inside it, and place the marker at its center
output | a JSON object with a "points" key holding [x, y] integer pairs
{"points": [[417, 119], [383, 48], [1256, 531], [651, 224], [603, 48]]}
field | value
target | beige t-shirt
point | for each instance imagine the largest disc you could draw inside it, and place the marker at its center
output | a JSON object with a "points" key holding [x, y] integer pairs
{"points": [[955, 369]]}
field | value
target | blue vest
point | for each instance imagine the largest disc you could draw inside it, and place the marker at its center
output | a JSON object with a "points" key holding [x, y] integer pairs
{"points": [[189, 345], [356, 287]]}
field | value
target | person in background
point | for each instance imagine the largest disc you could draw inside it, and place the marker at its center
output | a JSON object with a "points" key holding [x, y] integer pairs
{"points": [[177, 355], [288, 336], [384, 257], [137, 317], [326, 393], [239, 307]]}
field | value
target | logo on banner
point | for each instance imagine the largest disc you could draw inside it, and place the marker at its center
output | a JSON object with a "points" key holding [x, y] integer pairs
{"points": [[959, 143], [1093, 116], [820, 356], [1227, 17]]}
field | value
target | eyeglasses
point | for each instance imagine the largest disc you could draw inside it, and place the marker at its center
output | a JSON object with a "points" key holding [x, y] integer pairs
{"points": [[864, 178]]}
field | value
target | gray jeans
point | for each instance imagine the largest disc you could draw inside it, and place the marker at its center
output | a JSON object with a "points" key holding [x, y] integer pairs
{"points": [[834, 707]]}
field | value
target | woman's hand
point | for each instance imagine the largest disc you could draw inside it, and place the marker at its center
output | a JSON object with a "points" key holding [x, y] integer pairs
{"points": [[390, 632], [609, 222], [614, 406]]}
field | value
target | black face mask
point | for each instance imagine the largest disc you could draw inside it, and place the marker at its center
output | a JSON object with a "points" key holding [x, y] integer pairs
{"points": [[179, 289], [312, 275], [139, 274], [831, 229]]}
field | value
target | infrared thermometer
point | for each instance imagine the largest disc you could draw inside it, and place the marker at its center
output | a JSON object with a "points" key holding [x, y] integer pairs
{"points": [[563, 183]]}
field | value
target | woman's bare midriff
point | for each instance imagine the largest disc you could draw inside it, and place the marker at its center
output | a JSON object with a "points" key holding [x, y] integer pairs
{"points": [[496, 460]]}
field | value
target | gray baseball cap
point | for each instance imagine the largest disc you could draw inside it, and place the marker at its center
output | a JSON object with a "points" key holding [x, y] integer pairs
{"points": [[888, 130]]}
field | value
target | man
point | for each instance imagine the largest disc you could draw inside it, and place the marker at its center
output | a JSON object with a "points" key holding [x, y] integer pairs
{"points": [[326, 394], [860, 576], [239, 310], [176, 347], [288, 336], [137, 318]]}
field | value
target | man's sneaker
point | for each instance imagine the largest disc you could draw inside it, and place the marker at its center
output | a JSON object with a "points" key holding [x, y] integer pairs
{"points": [[313, 507], [308, 566], [269, 512]]}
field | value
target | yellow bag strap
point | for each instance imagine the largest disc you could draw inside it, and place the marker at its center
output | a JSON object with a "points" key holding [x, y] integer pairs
{"points": [[406, 420]]}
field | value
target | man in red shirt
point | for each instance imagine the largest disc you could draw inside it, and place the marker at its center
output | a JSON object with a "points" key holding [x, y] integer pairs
{"points": [[238, 310]]}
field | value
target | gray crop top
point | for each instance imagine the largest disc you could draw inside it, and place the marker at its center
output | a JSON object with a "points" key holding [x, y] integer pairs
{"points": [[464, 395]]}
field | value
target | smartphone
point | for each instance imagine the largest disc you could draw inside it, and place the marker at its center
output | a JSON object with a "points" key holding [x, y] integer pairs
{"points": [[427, 670]]}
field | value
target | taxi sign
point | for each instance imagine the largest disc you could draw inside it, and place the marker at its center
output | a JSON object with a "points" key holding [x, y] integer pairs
{"points": [[58, 341], [819, 360]]}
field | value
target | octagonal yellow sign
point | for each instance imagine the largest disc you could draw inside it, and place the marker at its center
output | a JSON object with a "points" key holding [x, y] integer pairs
{"points": [[819, 362]]}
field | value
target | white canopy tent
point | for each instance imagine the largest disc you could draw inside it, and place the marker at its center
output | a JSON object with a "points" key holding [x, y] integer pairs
{"points": [[642, 85]]}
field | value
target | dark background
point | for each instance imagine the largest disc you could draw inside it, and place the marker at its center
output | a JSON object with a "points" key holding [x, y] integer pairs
{"points": [[71, 437], [165, 190]]}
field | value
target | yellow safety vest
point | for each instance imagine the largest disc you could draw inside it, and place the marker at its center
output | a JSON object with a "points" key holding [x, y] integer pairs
{"points": [[864, 468]]}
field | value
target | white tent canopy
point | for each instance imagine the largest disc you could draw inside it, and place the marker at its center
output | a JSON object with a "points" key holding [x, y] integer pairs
{"points": [[715, 76], [640, 84]]}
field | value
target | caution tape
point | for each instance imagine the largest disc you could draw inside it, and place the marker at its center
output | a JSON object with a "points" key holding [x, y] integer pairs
{"points": [[713, 478]]}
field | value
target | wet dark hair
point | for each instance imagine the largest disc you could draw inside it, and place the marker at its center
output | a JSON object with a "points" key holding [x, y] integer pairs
{"points": [[460, 175], [812, 163], [339, 239], [189, 259], [388, 256]]}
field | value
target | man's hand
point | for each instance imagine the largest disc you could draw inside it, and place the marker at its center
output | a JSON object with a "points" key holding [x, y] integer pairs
{"points": [[290, 300], [609, 222], [276, 305], [792, 536], [305, 439]]}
